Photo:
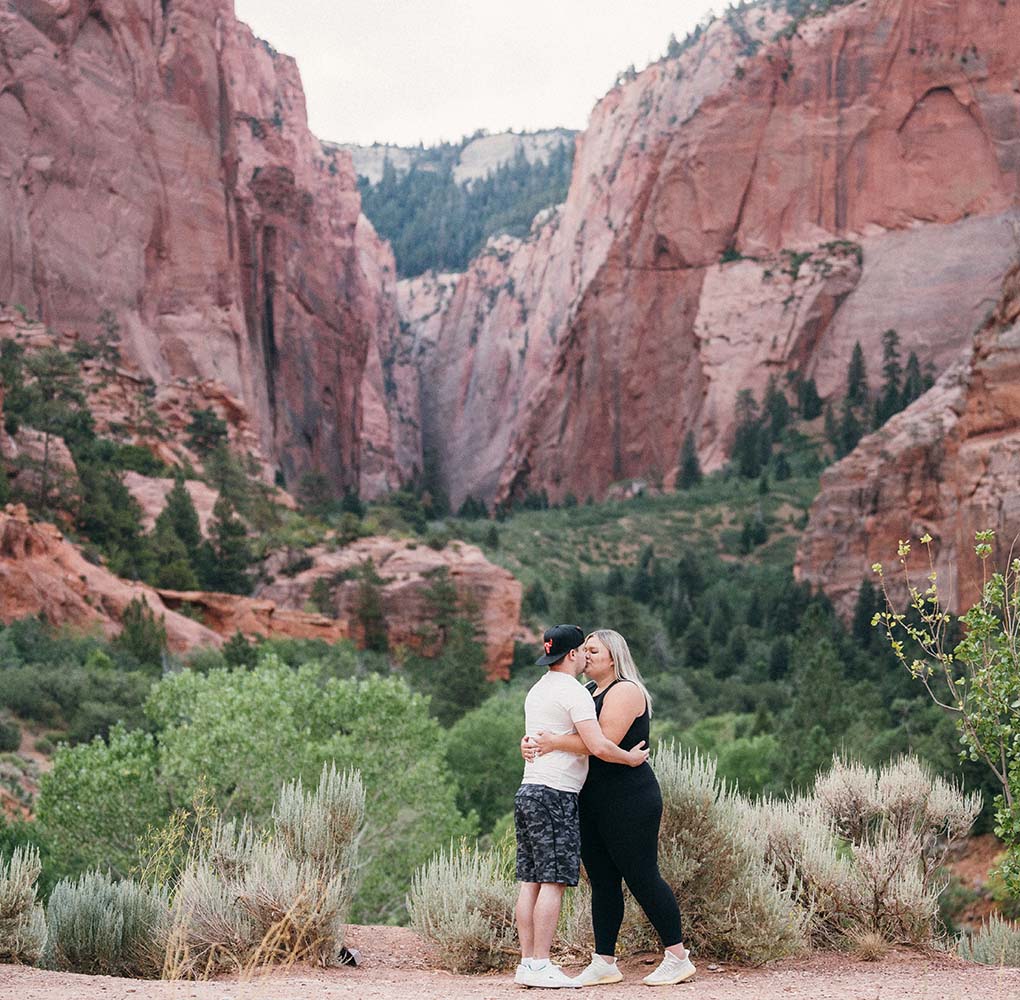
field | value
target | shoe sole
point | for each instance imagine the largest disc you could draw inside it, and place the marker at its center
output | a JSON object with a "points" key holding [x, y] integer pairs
{"points": [[673, 982], [605, 981]]}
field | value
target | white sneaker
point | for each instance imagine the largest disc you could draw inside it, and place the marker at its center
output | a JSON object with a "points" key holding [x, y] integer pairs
{"points": [[549, 977], [599, 972], [521, 970], [672, 970]]}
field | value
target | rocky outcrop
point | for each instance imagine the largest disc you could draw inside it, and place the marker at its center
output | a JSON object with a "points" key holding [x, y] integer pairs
{"points": [[750, 207], [42, 573], [406, 569], [157, 170], [947, 466], [478, 157]]}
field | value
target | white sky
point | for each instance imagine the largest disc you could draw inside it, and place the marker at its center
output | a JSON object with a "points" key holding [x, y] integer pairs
{"points": [[406, 71]]}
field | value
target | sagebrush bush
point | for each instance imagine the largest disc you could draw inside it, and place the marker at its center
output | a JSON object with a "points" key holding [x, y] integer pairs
{"points": [[732, 905], [863, 852], [22, 924], [463, 902], [250, 900], [996, 943], [98, 926]]}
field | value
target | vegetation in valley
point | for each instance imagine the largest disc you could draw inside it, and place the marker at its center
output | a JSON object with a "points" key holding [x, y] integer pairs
{"points": [[435, 223]]}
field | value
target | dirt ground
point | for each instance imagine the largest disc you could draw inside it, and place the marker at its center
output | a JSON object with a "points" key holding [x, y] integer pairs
{"points": [[396, 966]]}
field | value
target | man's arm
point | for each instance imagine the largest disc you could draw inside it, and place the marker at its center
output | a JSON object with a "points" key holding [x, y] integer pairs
{"points": [[599, 745]]}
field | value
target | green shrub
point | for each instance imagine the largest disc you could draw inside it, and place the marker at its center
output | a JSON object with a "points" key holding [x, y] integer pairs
{"points": [[10, 736], [98, 799], [22, 926], [463, 902], [243, 734], [98, 926], [996, 943], [484, 753]]}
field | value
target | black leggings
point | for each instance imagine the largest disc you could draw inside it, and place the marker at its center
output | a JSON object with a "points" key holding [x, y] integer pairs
{"points": [[620, 843]]}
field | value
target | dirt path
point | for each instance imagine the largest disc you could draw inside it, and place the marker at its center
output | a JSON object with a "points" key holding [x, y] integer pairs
{"points": [[396, 968]]}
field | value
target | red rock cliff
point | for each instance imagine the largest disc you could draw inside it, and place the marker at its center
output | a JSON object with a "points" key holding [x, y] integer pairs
{"points": [[949, 465], [156, 163], [883, 139]]}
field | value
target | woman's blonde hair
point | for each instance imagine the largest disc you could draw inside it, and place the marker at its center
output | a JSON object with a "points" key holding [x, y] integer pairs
{"points": [[623, 663]]}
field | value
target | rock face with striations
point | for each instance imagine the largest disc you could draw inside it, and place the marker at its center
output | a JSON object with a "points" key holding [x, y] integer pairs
{"points": [[750, 207], [156, 164], [949, 465]]}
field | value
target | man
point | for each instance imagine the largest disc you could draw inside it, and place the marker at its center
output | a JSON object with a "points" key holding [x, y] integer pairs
{"points": [[545, 807]]}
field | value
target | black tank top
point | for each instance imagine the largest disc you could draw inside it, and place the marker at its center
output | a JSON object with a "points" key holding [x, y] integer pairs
{"points": [[601, 770]]}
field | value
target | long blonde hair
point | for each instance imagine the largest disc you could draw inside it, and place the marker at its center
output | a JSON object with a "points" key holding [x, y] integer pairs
{"points": [[623, 663]]}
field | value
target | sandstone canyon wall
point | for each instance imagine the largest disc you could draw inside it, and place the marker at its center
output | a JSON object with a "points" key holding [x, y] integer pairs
{"points": [[949, 465], [751, 207], [156, 164]]}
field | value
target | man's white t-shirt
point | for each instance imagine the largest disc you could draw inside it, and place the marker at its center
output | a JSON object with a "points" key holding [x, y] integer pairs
{"points": [[554, 705]]}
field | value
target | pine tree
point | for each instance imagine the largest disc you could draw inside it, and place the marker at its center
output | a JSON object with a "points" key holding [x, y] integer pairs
{"points": [[179, 516], [747, 452], [369, 611], [174, 569], [857, 377], [913, 381], [808, 401], [777, 409], [207, 431], [890, 400], [849, 431], [696, 646], [142, 635], [227, 554], [689, 473]]}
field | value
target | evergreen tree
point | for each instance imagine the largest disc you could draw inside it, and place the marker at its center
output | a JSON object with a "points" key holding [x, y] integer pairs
{"points": [[849, 431], [536, 601], [689, 473], [142, 635], [809, 403], [857, 377], [777, 409], [831, 428], [239, 652], [890, 400], [227, 555], [913, 381], [642, 587], [179, 516], [696, 644], [369, 611], [174, 569], [206, 431], [747, 439], [781, 468]]}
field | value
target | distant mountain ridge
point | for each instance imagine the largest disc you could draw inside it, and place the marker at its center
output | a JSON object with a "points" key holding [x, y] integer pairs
{"points": [[477, 155]]}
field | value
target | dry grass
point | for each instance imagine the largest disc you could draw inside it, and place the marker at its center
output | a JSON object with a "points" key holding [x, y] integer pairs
{"points": [[868, 946]]}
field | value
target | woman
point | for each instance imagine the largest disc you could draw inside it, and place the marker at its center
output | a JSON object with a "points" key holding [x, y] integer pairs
{"points": [[620, 811]]}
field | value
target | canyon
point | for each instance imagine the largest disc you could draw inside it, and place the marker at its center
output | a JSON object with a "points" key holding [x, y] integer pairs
{"points": [[157, 171], [749, 208], [770, 193]]}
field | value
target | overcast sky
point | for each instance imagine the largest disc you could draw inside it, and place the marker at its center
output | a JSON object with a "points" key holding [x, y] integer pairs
{"points": [[406, 71]]}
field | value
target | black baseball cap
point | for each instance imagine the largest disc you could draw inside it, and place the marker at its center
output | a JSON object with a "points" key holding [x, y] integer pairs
{"points": [[559, 640]]}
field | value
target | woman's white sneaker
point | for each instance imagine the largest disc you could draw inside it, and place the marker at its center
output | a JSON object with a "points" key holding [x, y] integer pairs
{"points": [[599, 972], [548, 977], [672, 970]]}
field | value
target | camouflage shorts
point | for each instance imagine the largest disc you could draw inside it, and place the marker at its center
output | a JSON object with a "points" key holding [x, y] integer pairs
{"points": [[548, 835]]}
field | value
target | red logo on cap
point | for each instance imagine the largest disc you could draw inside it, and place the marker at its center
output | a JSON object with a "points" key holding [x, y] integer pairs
{"points": [[548, 646]]}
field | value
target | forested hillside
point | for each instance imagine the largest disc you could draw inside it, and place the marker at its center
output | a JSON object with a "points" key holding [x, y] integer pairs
{"points": [[435, 223]]}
